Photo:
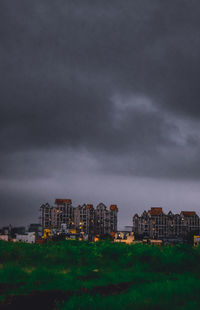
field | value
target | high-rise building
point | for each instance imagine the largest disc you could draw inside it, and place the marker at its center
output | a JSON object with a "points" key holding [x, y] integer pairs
{"points": [[54, 216], [62, 213], [156, 224], [105, 219], [45, 215], [85, 218], [113, 218]]}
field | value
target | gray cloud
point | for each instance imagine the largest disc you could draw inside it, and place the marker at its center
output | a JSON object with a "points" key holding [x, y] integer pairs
{"points": [[95, 87]]}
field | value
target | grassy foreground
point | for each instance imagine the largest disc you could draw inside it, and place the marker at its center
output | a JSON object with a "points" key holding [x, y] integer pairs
{"points": [[80, 275]]}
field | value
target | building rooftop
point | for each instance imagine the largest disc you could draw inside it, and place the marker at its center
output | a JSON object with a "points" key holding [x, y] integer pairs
{"points": [[155, 211], [188, 213], [63, 201], [113, 207]]}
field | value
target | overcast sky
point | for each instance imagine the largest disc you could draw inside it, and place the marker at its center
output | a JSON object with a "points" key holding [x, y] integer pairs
{"points": [[99, 102]]}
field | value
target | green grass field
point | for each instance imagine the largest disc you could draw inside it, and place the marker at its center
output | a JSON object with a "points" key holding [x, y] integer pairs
{"points": [[80, 275]]}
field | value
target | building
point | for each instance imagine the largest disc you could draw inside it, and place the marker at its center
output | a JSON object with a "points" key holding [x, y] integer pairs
{"points": [[28, 237], [45, 215], [113, 218], [155, 224], [36, 228], [84, 218], [124, 237], [190, 222], [4, 237], [61, 213], [105, 219], [6, 230], [196, 240], [17, 230]]}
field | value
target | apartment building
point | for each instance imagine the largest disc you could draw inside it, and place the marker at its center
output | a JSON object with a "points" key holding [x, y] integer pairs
{"points": [[61, 213], [156, 224], [84, 218], [113, 218], [45, 215]]}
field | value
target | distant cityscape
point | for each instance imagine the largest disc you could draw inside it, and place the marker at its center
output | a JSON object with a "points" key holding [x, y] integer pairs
{"points": [[86, 222]]}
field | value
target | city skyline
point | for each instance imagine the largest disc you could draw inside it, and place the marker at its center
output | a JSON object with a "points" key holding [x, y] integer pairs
{"points": [[62, 202], [99, 102]]}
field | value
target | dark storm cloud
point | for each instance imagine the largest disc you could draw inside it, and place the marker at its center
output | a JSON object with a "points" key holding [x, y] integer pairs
{"points": [[118, 80]]}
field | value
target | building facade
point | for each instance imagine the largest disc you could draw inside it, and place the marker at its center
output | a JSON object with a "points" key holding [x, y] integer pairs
{"points": [[45, 215], [84, 218], [156, 224], [105, 219], [61, 213]]}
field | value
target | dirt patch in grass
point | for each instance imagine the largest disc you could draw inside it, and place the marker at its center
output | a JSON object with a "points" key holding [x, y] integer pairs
{"points": [[35, 300], [7, 287], [49, 299], [89, 277], [111, 289]]}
